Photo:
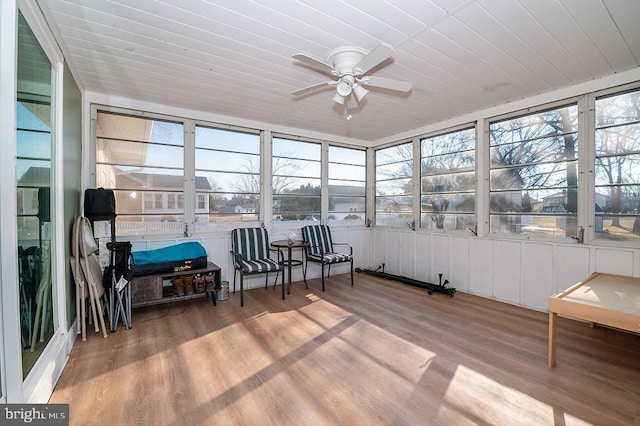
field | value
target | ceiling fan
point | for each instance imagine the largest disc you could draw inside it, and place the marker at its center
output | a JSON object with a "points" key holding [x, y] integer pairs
{"points": [[349, 67]]}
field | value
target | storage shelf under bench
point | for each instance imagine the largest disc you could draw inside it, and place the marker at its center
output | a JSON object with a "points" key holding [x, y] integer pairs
{"points": [[147, 290]]}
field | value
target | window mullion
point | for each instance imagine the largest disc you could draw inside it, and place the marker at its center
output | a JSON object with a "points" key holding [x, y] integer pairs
{"points": [[189, 177]]}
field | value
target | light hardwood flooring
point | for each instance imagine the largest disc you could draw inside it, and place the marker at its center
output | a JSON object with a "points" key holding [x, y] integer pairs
{"points": [[381, 352]]}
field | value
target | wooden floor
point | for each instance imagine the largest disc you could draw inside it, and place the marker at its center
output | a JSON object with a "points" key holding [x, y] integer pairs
{"points": [[381, 352]]}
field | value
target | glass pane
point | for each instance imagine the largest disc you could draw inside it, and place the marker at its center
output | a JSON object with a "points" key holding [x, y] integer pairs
{"points": [[296, 207], [222, 182], [454, 182], [618, 140], [295, 149], [227, 140], [617, 109], [347, 188], [347, 171], [394, 187], [533, 176], [439, 203], [535, 225], [456, 161], [347, 155], [128, 128], [464, 140], [535, 126], [394, 154], [394, 171], [342, 207], [448, 222], [296, 186], [33, 144], [544, 201], [291, 167], [227, 161], [128, 153]]}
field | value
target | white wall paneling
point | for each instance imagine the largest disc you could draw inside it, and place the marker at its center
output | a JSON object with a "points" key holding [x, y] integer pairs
{"points": [[521, 272]]}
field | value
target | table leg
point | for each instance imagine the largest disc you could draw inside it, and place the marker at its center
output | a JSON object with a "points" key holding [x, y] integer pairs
{"points": [[289, 270], [551, 355]]}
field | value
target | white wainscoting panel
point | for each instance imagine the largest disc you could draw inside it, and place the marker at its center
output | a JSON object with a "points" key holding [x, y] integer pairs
{"points": [[507, 268], [572, 266], [481, 267], [538, 275], [614, 261], [459, 265]]}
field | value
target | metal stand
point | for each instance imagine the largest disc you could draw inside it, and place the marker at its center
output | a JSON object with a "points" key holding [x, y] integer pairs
{"points": [[440, 288]]}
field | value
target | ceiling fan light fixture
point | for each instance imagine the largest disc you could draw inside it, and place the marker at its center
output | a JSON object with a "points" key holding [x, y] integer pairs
{"points": [[359, 92], [344, 87], [339, 99]]}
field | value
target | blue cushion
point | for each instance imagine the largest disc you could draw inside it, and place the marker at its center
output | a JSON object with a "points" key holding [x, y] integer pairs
{"points": [[177, 252]]}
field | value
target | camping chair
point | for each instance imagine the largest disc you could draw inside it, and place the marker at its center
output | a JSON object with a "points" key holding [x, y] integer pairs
{"points": [[92, 272], [118, 278], [79, 279], [252, 255], [320, 249]]}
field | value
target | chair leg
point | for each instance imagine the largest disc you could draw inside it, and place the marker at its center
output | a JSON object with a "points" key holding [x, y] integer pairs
{"points": [[322, 275], [351, 272], [266, 280], [304, 272], [241, 290], [234, 279]]}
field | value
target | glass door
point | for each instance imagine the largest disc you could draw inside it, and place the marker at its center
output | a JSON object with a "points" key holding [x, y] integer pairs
{"points": [[35, 219]]}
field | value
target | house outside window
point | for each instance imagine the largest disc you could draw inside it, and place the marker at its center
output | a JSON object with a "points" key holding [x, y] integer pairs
{"points": [[227, 176], [142, 159], [394, 186], [617, 167], [534, 174], [448, 181]]}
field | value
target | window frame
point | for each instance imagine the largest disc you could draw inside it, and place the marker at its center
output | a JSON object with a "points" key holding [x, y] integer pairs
{"points": [[583, 141], [458, 171]]}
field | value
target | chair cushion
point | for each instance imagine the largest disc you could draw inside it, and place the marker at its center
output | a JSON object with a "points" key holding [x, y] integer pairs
{"points": [[251, 243], [319, 239], [331, 258], [258, 266]]}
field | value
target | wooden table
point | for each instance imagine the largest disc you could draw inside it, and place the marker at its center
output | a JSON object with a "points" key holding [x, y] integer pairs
{"points": [[607, 299], [288, 261]]}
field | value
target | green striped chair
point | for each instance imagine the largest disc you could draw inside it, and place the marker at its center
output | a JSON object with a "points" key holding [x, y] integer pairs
{"points": [[320, 249], [252, 255]]}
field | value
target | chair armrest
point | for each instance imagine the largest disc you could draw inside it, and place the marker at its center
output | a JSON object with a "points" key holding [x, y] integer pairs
{"points": [[347, 245], [237, 257]]}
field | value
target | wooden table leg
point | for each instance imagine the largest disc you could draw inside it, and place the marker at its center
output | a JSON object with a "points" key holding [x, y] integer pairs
{"points": [[551, 355]]}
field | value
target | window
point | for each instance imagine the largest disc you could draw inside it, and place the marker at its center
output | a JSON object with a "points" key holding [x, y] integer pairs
{"points": [[227, 176], [142, 160], [394, 185], [347, 183], [296, 180], [448, 181], [534, 174], [617, 167]]}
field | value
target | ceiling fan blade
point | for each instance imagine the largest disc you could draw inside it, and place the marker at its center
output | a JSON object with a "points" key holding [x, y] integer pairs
{"points": [[313, 87], [373, 59], [314, 63], [387, 83]]}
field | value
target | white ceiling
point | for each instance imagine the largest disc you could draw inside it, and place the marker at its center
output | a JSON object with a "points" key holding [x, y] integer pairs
{"points": [[233, 57]]}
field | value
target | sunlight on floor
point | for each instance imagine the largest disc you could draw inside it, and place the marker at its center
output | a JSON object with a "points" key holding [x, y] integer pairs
{"points": [[467, 385]]}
